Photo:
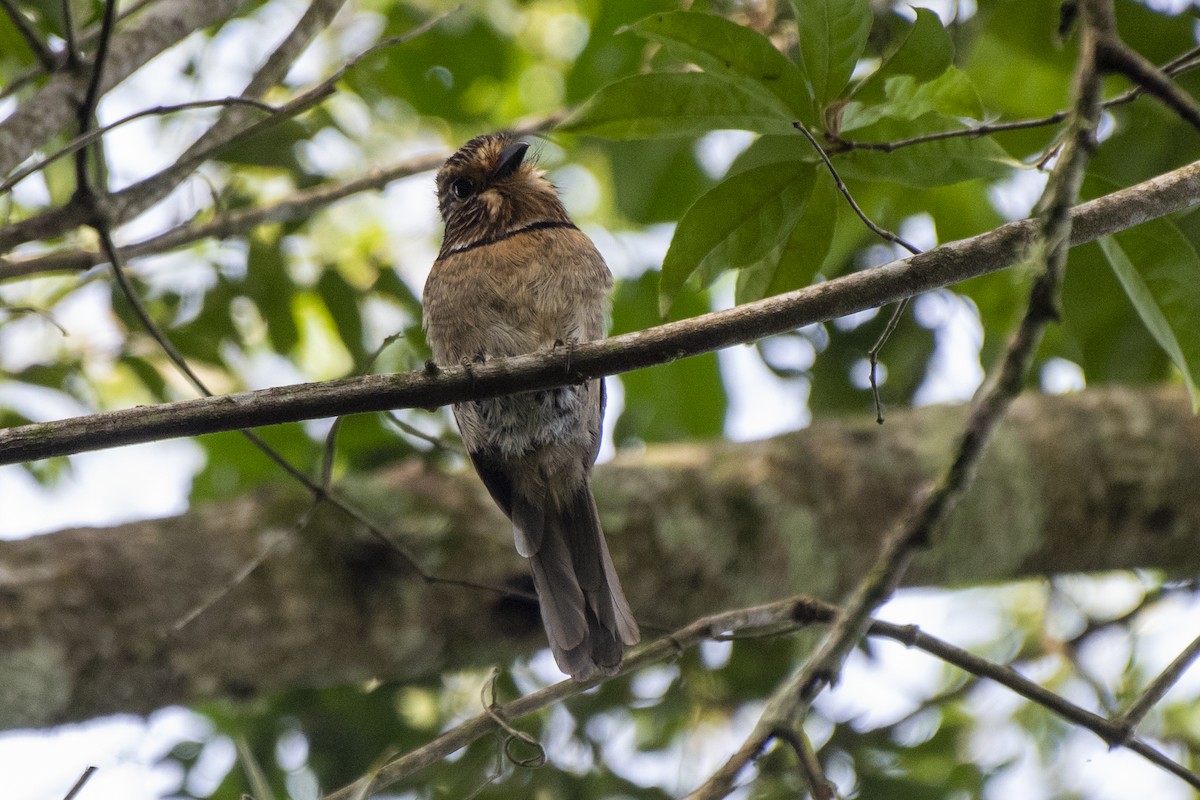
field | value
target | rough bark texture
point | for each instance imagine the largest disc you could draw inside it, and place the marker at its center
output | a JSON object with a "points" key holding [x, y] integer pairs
{"points": [[1094, 481]]}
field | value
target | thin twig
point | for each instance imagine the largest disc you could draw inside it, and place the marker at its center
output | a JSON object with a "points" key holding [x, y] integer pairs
{"points": [[1117, 56], [245, 571], [92, 134], [1140, 707], [448, 446], [819, 786], [887, 235], [79, 784], [74, 56], [873, 354], [1184, 62], [490, 708], [841, 186], [91, 98], [785, 616], [1149, 598], [29, 33], [790, 702], [36, 312]]}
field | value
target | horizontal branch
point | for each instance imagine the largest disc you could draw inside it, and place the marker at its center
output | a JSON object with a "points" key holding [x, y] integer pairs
{"points": [[134, 617], [781, 616], [937, 268], [237, 221]]}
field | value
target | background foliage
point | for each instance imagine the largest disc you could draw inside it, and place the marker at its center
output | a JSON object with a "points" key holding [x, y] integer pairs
{"points": [[651, 91]]}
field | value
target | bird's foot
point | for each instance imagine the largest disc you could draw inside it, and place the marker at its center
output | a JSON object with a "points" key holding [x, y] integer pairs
{"points": [[570, 343]]}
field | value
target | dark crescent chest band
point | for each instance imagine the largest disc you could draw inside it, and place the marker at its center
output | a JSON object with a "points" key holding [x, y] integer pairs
{"points": [[536, 226]]}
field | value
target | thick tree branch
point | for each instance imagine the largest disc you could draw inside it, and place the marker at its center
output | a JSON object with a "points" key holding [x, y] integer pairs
{"points": [[941, 266], [1096, 481]]}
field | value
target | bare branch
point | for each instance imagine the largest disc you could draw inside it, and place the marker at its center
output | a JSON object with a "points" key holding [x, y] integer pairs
{"points": [[947, 264], [666, 648], [1115, 55], [84, 139], [79, 784], [792, 699], [230, 223], [54, 106], [782, 616], [1185, 62], [1140, 707]]}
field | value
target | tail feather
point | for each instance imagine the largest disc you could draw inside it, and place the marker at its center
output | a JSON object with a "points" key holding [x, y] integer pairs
{"points": [[586, 615]]}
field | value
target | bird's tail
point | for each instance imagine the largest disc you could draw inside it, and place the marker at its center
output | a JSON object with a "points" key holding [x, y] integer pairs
{"points": [[586, 615]]}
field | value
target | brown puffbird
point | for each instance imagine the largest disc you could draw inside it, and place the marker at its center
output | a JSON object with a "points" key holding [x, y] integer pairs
{"points": [[515, 276]]}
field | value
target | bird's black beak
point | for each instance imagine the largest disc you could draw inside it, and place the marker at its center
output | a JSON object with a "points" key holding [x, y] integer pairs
{"points": [[511, 158]]}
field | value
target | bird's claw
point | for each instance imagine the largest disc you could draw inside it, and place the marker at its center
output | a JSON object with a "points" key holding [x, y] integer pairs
{"points": [[569, 343]]}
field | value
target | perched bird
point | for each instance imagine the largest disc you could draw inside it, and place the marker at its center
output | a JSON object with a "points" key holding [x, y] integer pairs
{"points": [[516, 276]]}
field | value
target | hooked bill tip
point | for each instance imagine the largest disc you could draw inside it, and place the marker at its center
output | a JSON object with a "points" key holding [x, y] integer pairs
{"points": [[511, 158]]}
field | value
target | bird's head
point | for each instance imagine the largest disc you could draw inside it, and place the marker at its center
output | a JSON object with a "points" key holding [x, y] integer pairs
{"points": [[490, 187]]}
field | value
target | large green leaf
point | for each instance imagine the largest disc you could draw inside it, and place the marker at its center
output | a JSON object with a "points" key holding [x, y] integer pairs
{"points": [[951, 94], [655, 409], [924, 53], [736, 224], [793, 263], [655, 180], [833, 34], [933, 163], [676, 104], [724, 48], [1160, 272]]}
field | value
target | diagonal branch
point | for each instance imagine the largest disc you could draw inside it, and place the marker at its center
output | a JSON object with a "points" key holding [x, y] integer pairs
{"points": [[942, 266], [53, 107], [779, 617], [1140, 707], [791, 701], [132, 200], [1117, 56], [29, 33], [294, 207]]}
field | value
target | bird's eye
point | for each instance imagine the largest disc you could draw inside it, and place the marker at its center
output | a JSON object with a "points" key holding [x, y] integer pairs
{"points": [[462, 188]]}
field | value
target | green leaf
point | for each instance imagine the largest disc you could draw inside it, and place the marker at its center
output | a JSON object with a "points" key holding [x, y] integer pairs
{"points": [[342, 300], [793, 263], [676, 104], [1160, 272], [732, 51], [736, 224], [951, 95], [925, 53], [655, 180], [833, 34], [653, 411], [772, 150], [933, 163]]}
